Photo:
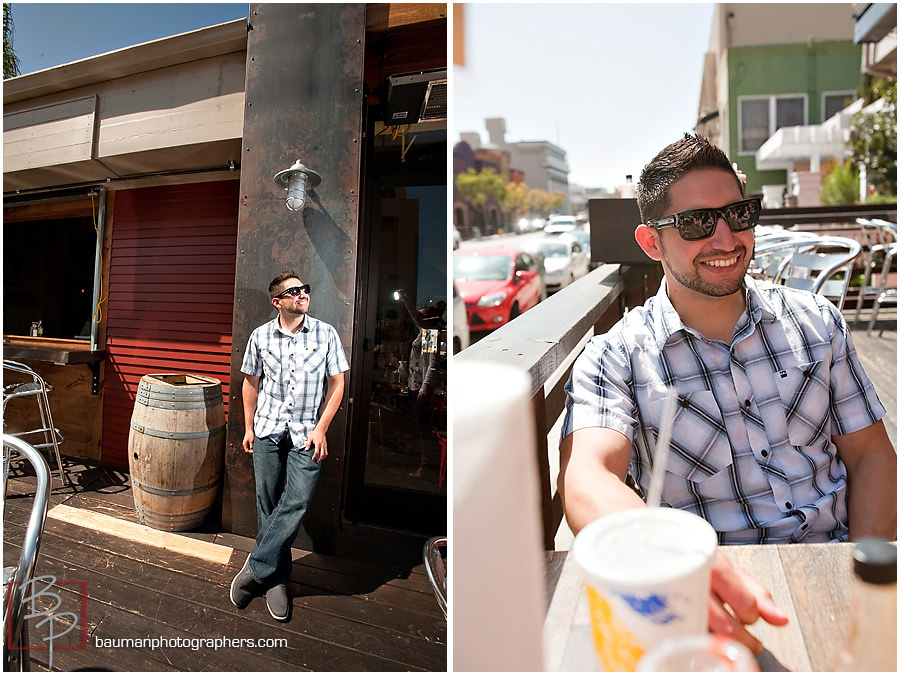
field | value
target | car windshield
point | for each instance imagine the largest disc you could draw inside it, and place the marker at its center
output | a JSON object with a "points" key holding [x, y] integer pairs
{"points": [[583, 238], [481, 267], [553, 250]]}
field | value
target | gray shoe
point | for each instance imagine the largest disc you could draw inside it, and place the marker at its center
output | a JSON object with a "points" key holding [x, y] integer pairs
{"points": [[243, 587], [277, 602]]}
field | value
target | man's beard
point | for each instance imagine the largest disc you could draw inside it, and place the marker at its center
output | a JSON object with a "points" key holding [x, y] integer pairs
{"points": [[693, 281], [295, 310]]}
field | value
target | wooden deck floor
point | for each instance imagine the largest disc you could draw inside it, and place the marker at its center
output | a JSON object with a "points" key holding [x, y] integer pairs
{"points": [[878, 354], [369, 609]]}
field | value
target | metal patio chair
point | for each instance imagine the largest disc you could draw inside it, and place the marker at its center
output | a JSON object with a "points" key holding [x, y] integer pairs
{"points": [[885, 294], [771, 250], [15, 578], [34, 386], [877, 238], [824, 268]]}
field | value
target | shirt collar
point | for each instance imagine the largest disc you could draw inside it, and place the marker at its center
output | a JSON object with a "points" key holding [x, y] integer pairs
{"points": [[275, 326], [758, 305], [667, 321]]}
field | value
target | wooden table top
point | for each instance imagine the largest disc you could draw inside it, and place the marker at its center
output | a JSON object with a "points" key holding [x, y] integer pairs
{"points": [[811, 583]]}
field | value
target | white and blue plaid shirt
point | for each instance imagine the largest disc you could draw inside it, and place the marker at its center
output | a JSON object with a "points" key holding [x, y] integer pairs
{"points": [[292, 370], [751, 448]]}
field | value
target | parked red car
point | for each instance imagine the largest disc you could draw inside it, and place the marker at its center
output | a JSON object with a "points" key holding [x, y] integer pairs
{"points": [[497, 284]]}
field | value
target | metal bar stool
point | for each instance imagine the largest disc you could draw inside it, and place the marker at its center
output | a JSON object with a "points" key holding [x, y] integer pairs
{"points": [[38, 388]]}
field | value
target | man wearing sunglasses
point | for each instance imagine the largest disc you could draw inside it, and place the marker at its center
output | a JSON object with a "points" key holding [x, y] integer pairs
{"points": [[293, 385], [777, 436]]}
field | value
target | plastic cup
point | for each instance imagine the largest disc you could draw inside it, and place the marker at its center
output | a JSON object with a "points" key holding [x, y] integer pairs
{"points": [[647, 578], [699, 654]]}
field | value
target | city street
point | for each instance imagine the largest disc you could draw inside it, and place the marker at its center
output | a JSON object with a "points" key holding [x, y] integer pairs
{"points": [[555, 261]]}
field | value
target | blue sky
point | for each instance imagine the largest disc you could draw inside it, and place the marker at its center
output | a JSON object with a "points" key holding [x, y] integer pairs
{"points": [[50, 34], [611, 84]]}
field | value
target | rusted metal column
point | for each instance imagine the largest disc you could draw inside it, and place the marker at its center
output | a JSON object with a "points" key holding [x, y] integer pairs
{"points": [[304, 100]]}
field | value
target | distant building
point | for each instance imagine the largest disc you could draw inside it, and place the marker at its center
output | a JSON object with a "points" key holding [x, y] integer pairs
{"points": [[542, 163], [771, 66], [471, 222], [538, 164]]}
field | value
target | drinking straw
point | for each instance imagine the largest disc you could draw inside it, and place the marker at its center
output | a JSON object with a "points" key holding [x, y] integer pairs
{"points": [[661, 452]]}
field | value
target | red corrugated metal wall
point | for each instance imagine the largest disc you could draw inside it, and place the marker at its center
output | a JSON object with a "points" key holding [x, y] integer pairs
{"points": [[171, 294]]}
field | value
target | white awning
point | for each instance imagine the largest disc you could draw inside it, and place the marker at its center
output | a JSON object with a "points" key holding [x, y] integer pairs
{"points": [[811, 143]]}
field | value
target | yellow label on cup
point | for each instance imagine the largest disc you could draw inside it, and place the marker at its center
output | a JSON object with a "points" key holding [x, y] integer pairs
{"points": [[617, 647]]}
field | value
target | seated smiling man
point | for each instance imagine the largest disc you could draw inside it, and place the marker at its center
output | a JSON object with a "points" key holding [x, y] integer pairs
{"points": [[778, 435]]}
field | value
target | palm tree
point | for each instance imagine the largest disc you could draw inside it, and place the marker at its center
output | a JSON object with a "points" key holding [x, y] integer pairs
{"points": [[10, 58]]}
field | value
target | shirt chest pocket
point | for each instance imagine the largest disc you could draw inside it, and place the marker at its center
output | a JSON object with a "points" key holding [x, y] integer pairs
{"points": [[699, 453], [805, 396], [312, 359], [271, 366]]}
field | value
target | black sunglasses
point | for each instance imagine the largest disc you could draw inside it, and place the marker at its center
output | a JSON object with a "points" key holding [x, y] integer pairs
{"points": [[294, 291], [701, 223]]}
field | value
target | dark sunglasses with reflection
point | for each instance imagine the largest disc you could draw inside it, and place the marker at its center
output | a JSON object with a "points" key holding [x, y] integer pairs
{"points": [[701, 223], [294, 291]]}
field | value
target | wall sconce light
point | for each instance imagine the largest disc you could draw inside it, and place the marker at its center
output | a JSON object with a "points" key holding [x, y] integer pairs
{"points": [[297, 180]]}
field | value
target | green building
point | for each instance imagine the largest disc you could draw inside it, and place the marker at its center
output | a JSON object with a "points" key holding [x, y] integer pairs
{"points": [[771, 66]]}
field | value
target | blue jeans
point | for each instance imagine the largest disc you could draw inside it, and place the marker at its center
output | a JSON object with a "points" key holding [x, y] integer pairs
{"points": [[286, 479]]}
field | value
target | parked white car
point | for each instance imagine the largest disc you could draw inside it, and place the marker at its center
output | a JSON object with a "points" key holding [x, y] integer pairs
{"points": [[559, 224], [564, 260], [583, 237]]}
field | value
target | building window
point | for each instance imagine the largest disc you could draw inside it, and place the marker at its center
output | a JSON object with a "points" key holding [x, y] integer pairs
{"points": [[761, 116], [835, 101]]}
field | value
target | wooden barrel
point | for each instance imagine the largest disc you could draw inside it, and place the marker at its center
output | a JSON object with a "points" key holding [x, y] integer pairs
{"points": [[176, 448]]}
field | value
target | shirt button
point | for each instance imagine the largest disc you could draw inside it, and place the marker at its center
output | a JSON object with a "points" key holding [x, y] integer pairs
{"points": [[765, 453], [747, 403], [788, 505]]}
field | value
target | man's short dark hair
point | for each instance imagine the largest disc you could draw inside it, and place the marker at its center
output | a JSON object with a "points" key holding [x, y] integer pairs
{"points": [[672, 163], [275, 287]]}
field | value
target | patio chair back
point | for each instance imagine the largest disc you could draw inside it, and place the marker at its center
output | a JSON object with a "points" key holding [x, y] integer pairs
{"points": [[879, 239], [886, 293], [771, 250], [824, 268]]}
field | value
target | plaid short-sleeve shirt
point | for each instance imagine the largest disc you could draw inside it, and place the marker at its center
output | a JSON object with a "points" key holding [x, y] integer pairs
{"points": [[292, 370], [751, 448]]}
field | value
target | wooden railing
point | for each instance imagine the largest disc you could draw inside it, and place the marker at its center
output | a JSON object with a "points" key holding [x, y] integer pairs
{"points": [[819, 216], [540, 342]]}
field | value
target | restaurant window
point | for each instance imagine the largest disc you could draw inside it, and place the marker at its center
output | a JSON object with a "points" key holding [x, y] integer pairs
{"points": [[49, 251], [761, 116], [834, 102]]}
